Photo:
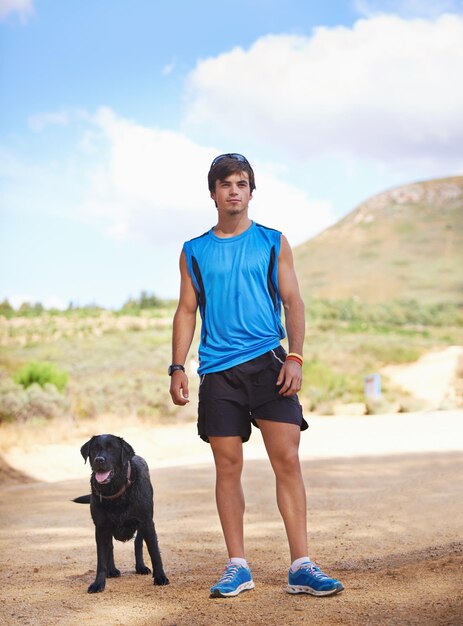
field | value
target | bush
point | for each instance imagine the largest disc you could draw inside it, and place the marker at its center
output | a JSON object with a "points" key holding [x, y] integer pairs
{"points": [[362, 316], [6, 309], [20, 404], [41, 373], [146, 301], [28, 309], [13, 399], [323, 383]]}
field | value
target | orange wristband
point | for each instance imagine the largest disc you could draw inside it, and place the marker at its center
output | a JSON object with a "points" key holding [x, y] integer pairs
{"points": [[292, 357], [298, 356]]}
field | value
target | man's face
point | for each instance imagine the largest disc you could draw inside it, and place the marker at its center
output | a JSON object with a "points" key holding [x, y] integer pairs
{"points": [[232, 195]]}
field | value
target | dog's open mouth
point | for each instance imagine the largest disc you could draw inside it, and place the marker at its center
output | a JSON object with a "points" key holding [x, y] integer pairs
{"points": [[102, 478]]}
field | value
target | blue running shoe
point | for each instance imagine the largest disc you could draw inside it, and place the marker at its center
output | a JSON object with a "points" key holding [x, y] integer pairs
{"points": [[310, 579], [234, 580]]}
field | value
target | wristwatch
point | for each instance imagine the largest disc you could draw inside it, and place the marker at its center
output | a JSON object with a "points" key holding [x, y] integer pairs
{"points": [[174, 367]]}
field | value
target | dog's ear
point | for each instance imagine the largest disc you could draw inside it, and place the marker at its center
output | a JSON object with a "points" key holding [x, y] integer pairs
{"points": [[127, 452], [85, 449]]}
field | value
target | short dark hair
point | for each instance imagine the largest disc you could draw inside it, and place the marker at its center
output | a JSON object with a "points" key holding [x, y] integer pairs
{"points": [[227, 166]]}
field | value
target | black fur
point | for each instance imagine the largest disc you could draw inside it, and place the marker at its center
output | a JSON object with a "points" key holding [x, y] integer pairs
{"points": [[125, 515]]}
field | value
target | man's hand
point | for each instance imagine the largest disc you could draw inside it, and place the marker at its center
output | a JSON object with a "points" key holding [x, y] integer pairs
{"points": [[179, 388], [290, 377]]}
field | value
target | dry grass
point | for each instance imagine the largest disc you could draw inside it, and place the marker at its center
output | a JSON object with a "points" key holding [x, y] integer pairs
{"points": [[49, 328], [406, 243]]}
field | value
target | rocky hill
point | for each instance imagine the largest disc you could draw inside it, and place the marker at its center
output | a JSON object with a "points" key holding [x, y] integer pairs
{"points": [[405, 243]]}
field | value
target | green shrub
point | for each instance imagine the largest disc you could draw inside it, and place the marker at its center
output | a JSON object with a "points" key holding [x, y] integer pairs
{"points": [[361, 315], [18, 404], [42, 373], [322, 383], [13, 399], [6, 309], [28, 309], [144, 301]]}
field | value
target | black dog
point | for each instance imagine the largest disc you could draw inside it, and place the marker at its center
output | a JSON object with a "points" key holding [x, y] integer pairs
{"points": [[121, 504]]}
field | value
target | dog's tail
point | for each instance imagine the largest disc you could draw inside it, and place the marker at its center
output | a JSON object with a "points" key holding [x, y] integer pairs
{"points": [[83, 499]]}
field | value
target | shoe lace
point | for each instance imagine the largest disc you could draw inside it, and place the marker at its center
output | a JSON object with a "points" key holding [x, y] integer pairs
{"points": [[313, 570], [228, 573]]}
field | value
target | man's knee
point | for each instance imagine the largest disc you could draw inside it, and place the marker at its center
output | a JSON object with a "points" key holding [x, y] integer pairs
{"points": [[227, 466], [228, 455], [286, 462]]}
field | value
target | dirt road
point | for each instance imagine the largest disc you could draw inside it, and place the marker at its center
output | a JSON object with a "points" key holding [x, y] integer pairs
{"points": [[389, 526], [431, 379]]}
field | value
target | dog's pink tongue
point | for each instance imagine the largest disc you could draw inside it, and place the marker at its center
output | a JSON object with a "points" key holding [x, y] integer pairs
{"points": [[102, 476]]}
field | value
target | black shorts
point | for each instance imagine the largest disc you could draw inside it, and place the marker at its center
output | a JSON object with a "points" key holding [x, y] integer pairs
{"points": [[231, 400]]}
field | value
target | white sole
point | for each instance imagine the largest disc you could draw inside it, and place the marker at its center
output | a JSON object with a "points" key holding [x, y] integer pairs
{"points": [[313, 592], [243, 587]]}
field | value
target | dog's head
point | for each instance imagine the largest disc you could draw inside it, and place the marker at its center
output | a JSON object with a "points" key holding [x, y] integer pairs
{"points": [[108, 456]]}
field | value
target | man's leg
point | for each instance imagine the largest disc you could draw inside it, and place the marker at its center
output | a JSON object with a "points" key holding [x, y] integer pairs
{"points": [[282, 444], [228, 457]]}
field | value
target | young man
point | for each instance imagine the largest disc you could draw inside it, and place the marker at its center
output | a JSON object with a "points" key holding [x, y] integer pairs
{"points": [[239, 274]]}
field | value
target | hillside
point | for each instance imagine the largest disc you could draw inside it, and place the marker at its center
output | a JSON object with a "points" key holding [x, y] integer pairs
{"points": [[405, 243]]}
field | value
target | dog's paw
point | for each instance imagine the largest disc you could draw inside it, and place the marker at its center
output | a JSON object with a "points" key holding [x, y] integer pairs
{"points": [[161, 580], [96, 587], [114, 573], [143, 570]]}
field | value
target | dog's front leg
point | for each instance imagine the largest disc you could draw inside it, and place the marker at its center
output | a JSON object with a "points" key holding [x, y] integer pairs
{"points": [[103, 550], [140, 566], [149, 535]]}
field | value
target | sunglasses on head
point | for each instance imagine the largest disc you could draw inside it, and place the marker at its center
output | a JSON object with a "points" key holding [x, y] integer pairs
{"points": [[230, 155]]}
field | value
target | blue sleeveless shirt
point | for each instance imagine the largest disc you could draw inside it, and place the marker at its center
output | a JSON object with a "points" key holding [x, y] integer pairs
{"points": [[236, 281]]}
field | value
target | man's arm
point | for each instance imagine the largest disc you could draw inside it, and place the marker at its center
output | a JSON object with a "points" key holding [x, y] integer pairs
{"points": [[291, 372], [183, 331]]}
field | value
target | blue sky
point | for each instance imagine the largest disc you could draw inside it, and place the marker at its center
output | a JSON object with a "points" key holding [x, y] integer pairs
{"points": [[111, 112]]}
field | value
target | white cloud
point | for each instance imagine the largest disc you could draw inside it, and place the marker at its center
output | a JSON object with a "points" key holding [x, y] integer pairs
{"points": [[151, 184], [40, 121], [287, 208], [147, 184], [387, 89], [168, 68], [24, 8]]}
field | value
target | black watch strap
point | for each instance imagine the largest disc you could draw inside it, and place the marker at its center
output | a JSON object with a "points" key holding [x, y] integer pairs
{"points": [[174, 367]]}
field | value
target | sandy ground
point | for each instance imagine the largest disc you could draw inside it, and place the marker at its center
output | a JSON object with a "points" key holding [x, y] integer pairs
{"points": [[385, 510], [385, 513]]}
